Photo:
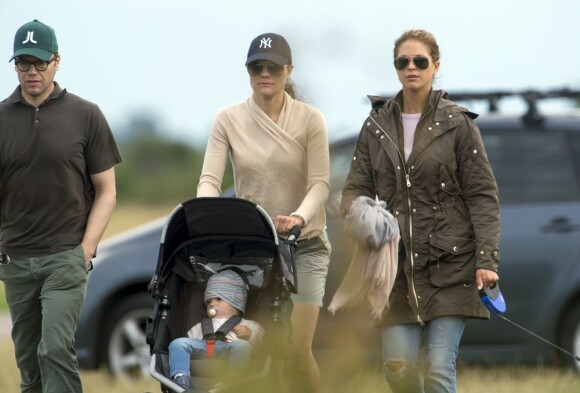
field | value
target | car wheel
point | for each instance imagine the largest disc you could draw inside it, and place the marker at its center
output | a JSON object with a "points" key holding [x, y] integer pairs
{"points": [[126, 349], [571, 336]]}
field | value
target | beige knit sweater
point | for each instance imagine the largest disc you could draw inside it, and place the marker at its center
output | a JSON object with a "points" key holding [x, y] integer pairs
{"points": [[283, 167]]}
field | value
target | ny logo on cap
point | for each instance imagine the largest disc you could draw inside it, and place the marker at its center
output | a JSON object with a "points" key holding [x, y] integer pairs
{"points": [[266, 43], [29, 38]]}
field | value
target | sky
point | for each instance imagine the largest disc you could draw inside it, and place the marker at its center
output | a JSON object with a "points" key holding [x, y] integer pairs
{"points": [[180, 61]]}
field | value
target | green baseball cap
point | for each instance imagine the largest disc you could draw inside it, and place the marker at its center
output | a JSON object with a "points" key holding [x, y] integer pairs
{"points": [[35, 39]]}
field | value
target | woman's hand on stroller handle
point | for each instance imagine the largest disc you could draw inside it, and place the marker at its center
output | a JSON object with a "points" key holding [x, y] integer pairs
{"points": [[286, 225]]}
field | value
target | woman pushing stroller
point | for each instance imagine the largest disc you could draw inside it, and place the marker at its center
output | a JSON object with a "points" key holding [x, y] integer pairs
{"points": [[279, 152]]}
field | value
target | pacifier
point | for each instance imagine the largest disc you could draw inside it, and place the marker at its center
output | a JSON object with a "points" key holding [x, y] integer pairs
{"points": [[212, 312]]}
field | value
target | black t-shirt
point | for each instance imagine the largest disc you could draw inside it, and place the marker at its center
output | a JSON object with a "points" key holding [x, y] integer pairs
{"points": [[47, 155]]}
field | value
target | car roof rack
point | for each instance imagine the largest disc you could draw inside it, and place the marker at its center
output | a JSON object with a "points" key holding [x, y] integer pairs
{"points": [[531, 97], [532, 116]]}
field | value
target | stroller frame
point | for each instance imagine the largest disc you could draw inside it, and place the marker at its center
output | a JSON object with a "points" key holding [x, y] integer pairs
{"points": [[205, 235]]}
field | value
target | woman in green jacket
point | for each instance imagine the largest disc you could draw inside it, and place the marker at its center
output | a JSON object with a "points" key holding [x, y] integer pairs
{"points": [[423, 155]]}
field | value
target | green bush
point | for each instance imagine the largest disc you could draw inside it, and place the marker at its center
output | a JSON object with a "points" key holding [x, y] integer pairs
{"points": [[157, 170]]}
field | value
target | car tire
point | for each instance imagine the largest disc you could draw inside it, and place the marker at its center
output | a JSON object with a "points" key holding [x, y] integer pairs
{"points": [[126, 351], [571, 336]]}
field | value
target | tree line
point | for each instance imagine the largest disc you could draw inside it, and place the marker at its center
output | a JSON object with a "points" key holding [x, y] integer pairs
{"points": [[156, 169]]}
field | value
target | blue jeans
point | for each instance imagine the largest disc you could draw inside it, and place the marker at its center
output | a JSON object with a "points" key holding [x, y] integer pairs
{"points": [[422, 359], [181, 350]]}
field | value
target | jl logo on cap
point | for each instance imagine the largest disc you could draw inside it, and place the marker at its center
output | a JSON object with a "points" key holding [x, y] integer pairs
{"points": [[30, 38]]}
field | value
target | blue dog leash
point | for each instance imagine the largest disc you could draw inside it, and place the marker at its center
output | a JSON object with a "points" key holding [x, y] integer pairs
{"points": [[493, 300]]}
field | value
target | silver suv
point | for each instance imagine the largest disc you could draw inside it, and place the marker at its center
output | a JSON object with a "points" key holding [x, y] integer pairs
{"points": [[536, 161]]}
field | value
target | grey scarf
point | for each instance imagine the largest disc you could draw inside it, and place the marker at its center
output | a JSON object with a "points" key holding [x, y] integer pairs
{"points": [[373, 266]]}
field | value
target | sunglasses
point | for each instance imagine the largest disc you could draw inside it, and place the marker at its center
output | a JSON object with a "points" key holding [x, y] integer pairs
{"points": [[420, 61], [256, 68]]}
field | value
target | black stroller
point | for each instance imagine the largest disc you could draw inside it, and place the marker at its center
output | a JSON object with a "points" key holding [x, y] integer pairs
{"points": [[208, 235]]}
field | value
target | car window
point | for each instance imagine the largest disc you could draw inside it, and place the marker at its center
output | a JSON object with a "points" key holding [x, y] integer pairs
{"points": [[575, 147], [532, 166]]}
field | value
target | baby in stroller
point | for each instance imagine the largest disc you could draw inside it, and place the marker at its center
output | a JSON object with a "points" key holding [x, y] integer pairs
{"points": [[224, 335], [204, 240]]}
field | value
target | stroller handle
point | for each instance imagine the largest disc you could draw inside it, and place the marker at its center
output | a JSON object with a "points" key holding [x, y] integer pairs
{"points": [[294, 233]]}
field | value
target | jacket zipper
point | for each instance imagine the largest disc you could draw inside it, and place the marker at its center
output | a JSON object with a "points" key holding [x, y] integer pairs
{"points": [[411, 256]]}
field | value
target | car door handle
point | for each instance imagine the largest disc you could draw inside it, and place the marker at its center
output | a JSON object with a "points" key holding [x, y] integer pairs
{"points": [[561, 225]]}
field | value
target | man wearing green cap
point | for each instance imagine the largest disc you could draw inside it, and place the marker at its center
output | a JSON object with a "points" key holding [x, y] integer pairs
{"points": [[57, 193]]}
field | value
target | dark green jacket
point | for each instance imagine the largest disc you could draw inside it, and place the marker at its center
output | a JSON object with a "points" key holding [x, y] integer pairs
{"points": [[445, 199]]}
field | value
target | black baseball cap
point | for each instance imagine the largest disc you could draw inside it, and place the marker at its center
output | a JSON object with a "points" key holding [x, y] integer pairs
{"points": [[270, 46]]}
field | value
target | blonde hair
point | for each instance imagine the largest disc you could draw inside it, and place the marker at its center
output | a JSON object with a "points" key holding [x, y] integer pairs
{"points": [[422, 36]]}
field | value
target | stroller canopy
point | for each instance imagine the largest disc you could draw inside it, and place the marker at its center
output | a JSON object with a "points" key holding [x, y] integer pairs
{"points": [[207, 220]]}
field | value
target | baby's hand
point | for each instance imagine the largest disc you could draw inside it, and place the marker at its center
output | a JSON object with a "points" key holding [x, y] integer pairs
{"points": [[242, 332]]}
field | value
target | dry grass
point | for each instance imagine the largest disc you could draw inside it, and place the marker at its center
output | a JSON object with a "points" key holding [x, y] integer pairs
{"points": [[93, 381], [517, 379], [128, 216], [343, 373]]}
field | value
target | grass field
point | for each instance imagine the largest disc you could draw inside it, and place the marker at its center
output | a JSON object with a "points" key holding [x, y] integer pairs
{"points": [[128, 216], [341, 374]]}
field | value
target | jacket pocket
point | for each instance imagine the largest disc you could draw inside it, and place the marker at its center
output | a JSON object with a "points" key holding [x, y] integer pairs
{"points": [[451, 260], [446, 183]]}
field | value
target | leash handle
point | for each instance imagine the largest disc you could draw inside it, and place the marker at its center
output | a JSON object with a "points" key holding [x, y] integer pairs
{"points": [[492, 299]]}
